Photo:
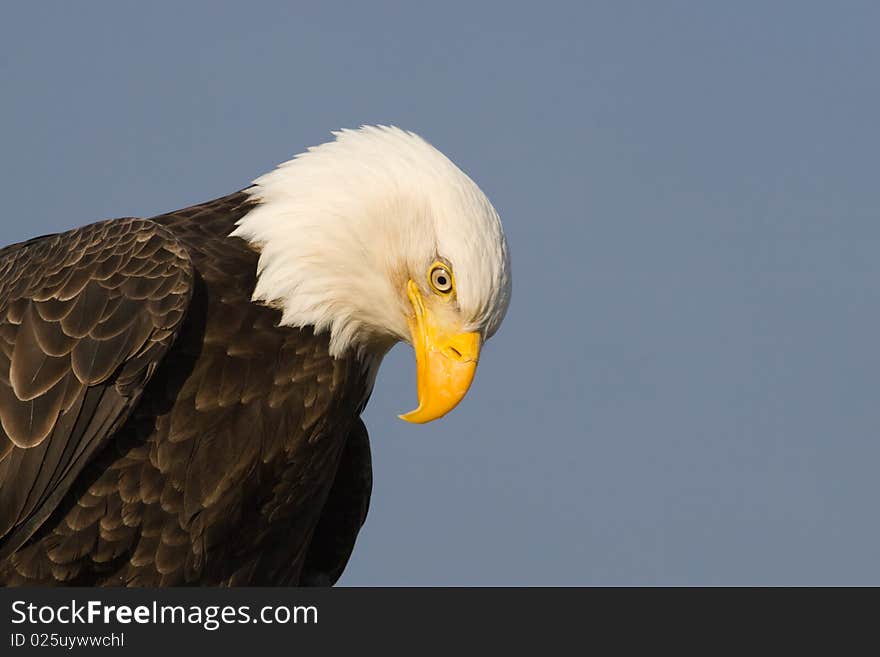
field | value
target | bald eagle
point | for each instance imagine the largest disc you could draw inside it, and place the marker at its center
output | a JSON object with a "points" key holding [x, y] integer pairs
{"points": [[180, 396]]}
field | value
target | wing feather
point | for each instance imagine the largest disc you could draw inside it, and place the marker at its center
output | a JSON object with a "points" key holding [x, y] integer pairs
{"points": [[85, 318]]}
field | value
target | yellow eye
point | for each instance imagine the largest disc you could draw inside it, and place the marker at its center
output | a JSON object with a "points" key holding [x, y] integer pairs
{"points": [[441, 279]]}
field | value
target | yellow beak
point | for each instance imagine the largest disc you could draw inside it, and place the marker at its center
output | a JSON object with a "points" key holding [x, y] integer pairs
{"points": [[445, 362]]}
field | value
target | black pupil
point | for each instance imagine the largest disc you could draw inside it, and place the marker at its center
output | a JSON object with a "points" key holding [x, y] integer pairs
{"points": [[441, 281]]}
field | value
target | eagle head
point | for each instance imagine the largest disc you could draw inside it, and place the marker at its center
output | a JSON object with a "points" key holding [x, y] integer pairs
{"points": [[377, 237]]}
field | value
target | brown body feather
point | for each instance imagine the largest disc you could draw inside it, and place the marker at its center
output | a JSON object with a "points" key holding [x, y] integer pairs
{"points": [[158, 427]]}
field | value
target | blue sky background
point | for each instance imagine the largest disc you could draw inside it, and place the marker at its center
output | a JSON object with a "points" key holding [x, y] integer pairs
{"points": [[685, 390]]}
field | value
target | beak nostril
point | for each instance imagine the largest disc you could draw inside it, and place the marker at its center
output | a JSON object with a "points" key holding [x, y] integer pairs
{"points": [[455, 352]]}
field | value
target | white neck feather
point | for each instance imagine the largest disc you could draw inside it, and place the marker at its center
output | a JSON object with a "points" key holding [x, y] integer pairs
{"points": [[342, 226]]}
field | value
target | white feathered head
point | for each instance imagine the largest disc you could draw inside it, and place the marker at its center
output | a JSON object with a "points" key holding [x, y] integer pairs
{"points": [[378, 237]]}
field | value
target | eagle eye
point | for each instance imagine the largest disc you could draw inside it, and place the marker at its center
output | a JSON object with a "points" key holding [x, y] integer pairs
{"points": [[441, 279]]}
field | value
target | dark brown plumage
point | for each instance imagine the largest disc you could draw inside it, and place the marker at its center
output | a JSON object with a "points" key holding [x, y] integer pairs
{"points": [[158, 427]]}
